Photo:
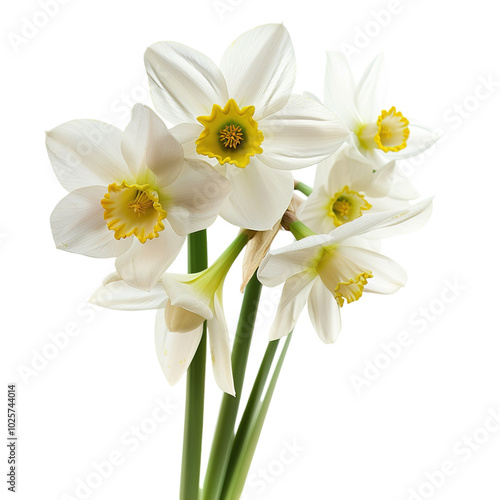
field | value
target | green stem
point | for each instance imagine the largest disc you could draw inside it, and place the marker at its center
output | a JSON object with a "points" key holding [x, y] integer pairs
{"points": [[300, 230], [195, 387], [252, 422], [224, 432], [252, 406], [303, 188]]}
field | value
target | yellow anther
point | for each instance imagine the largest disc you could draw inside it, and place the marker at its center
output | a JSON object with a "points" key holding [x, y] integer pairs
{"points": [[141, 203], [342, 207], [231, 136]]}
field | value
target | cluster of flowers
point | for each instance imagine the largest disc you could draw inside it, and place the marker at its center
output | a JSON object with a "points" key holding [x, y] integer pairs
{"points": [[239, 131]]}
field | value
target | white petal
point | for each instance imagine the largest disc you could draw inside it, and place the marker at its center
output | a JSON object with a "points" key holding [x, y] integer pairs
{"points": [[372, 221], [339, 89], [375, 156], [372, 90], [388, 275], [350, 168], [374, 245], [220, 349], [259, 67], [293, 299], [196, 197], [407, 226], [78, 225], [389, 180], [383, 180], [259, 195], [301, 134], [86, 153], [324, 313], [175, 351], [115, 293], [314, 212], [186, 134], [282, 263], [402, 188], [183, 294], [184, 83], [147, 143], [312, 96], [143, 264], [322, 172]]}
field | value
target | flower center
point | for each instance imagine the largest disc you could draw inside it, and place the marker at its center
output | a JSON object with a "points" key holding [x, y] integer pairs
{"points": [[133, 209], [346, 206], [389, 133], [351, 290], [231, 134], [344, 278], [141, 203]]}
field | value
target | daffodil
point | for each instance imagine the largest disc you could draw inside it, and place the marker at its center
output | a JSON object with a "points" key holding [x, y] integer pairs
{"points": [[346, 187], [243, 118], [185, 301], [132, 194], [329, 270], [380, 131]]}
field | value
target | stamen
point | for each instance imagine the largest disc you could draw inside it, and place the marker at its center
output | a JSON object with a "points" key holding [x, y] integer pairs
{"points": [[141, 203], [231, 136], [347, 205], [342, 207]]}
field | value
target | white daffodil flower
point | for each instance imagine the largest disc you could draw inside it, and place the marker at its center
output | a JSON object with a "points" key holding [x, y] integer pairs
{"points": [[186, 302], [379, 131], [325, 270], [132, 194], [346, 187], [244, 117]]}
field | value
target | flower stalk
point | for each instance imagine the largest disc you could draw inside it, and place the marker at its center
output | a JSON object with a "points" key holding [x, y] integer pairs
{"points": [[224, 432], [195, 387], [252, 422], [303, 188]]}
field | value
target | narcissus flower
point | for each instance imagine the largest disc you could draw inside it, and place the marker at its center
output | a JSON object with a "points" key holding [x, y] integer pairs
{"points": [[346, 187], [243, 117], [186, 302], [133, 195], [329, 270], [380, 132]]}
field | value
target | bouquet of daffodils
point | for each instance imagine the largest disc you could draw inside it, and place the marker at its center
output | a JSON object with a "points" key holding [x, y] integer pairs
{"points": [[239, 132]]}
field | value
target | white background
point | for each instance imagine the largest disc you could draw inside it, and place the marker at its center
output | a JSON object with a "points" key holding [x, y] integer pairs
{"points": [[378, 442]]}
